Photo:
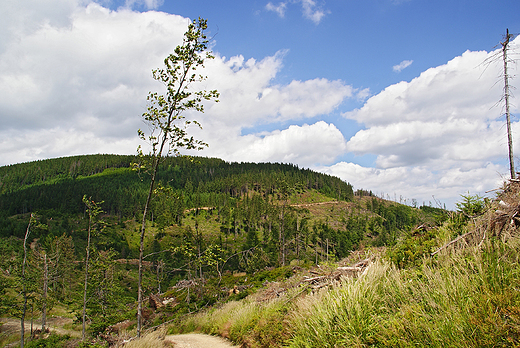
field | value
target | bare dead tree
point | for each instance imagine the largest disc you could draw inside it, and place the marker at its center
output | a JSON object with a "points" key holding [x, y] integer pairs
{"points": [[24, 287], [504, 57], [505, 48]]}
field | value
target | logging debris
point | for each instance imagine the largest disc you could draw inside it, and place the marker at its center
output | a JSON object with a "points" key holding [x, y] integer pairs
{"points": [[501, 219], [333, 277]]}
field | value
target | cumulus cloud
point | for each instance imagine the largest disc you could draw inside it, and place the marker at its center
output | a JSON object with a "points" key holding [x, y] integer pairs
{"points": [[74, 79], [403, 65], [249, 98], [440, 134], [77, 69], [30, 145], [443, 115], [307, 145], [310, 9], [420, 182]]}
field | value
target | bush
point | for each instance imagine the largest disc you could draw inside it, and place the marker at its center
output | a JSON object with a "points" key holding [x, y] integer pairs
{"points": [[413, 247], [53, 341]]}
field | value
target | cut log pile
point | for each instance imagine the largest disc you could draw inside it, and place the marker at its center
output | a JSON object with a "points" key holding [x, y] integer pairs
{"points": [[331, 278], [501, 219], [157, 302], [507, 215], [274, 290], [183, 284]]}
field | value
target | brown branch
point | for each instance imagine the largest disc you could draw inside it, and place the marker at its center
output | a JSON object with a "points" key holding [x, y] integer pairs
{"points": [[451, 242]]}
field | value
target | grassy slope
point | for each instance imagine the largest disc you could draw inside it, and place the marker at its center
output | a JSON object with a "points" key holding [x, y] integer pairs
{"points": [[463, 297]]}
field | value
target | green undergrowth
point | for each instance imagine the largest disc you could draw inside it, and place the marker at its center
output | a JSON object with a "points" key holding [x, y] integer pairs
{"points": [[248, 322], [464, 298]]}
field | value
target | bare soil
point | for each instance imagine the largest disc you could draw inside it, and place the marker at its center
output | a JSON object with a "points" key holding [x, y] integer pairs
{"points": [[198, 341], [55, 324]]}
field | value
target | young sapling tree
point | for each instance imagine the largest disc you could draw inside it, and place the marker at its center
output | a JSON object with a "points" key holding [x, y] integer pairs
{"points": [[166, 120], [93, 210]]}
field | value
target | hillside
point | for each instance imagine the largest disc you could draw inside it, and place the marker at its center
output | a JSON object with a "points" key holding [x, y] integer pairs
{"points": [[454, 285], [217, 231]]}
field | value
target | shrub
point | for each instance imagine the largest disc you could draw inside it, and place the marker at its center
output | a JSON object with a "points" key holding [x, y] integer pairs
{"points": [[53, 341]]}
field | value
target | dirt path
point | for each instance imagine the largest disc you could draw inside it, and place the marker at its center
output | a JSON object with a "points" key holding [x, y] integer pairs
{"points": [[292, 205], [198, 341], [312, 204], [11, 326]]}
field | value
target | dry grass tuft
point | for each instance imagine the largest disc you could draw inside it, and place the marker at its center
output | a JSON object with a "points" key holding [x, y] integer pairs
{"points": [[153, 339]]}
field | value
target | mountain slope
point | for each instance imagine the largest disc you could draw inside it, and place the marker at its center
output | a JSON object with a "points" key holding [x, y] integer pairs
{"points": [[216, 230]]}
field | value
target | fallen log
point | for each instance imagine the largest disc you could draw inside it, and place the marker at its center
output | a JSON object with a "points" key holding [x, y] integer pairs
{"points": [[315, 279]]}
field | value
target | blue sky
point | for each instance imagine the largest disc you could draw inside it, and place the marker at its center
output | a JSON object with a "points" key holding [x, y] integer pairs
{"points": [[393, 96]]}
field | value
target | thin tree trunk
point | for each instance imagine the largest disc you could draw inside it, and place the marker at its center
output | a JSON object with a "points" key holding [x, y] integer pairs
{"points": [[32, 317], [86, 280], [298, 238], [159, 270], [45, 287], [316, 252], [327, 250], [141, 241], [24, 289], [141, 255], [506, 97]]}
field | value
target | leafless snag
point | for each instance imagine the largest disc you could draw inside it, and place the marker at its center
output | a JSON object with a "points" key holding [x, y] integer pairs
{"points": [[505, 49], [505, 56]]}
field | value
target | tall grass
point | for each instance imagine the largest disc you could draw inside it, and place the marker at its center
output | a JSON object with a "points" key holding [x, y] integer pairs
{"points": [[249, 322], [464, 298], [469, 298]]}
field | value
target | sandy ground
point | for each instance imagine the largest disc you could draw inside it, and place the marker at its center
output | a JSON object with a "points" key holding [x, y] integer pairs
{"points": [[198, 341], [11, 326]]}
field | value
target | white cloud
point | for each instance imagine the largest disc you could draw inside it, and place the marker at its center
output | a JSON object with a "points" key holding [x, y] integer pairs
{"points": [[363, 94], [420, 182], [440, 134], [442, 115], [403, 65], [248, 96], [100, 65], [58, 142], [77, 80], [306, 145], [78, 69], [310, 9], [279, 9]]}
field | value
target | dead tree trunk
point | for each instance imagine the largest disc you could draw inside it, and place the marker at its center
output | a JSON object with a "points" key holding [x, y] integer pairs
{"points": [[45, 288], [24, 288], [505, 45]]}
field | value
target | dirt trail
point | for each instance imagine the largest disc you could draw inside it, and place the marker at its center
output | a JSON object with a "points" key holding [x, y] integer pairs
{"points": [[198, 341], [292, 205], [11, 326]]}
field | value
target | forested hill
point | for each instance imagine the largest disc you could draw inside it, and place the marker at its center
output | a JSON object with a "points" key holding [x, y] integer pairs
{"points": [[255, 223], [59, 184]]}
